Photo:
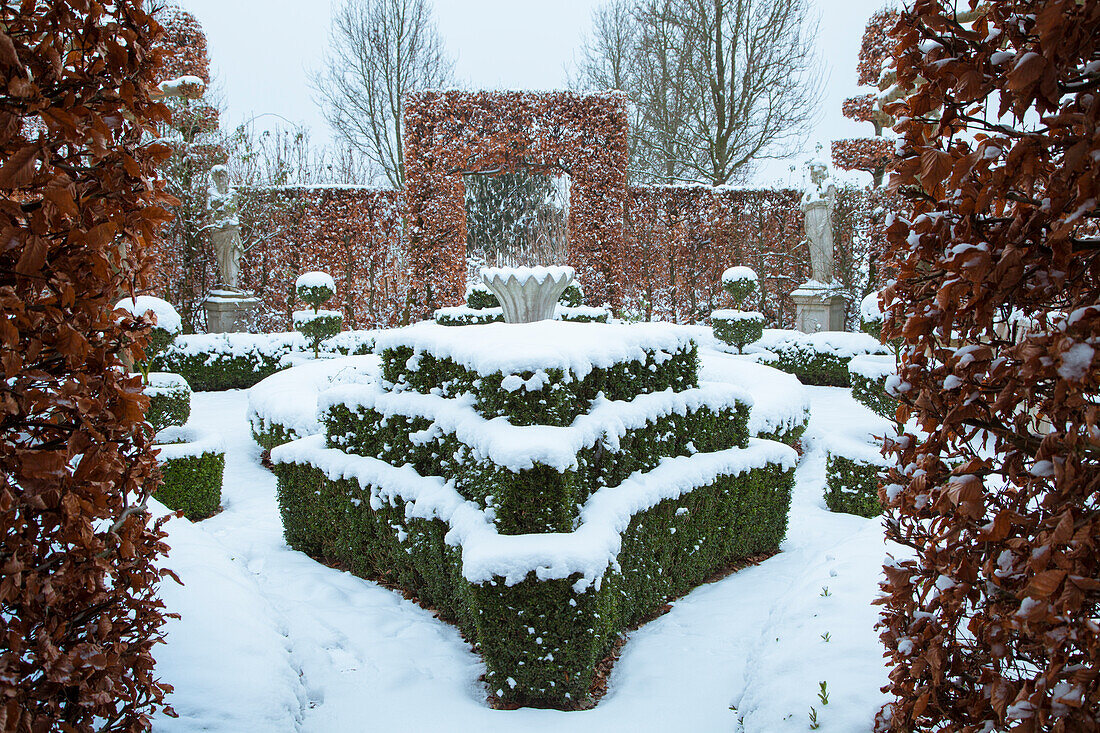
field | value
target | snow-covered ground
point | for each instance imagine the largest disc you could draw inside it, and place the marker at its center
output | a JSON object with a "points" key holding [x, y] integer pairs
{"points": [[270, 640]]}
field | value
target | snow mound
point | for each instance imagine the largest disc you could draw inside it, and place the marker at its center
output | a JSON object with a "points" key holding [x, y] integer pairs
{"points": [[161, 383], [216, 345], [289, 398], [869, 309], [841, 344], [780, 402], [873, 366], [186, 441]]}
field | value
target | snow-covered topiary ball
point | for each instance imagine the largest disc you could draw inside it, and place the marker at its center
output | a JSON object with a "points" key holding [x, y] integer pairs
{"points": [[315, 288], [737, 328], [168, 322], [740, 282], [479, 297]]}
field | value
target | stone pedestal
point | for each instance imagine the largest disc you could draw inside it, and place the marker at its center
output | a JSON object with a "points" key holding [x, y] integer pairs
{"points": [[230, 311], [819, 307]]}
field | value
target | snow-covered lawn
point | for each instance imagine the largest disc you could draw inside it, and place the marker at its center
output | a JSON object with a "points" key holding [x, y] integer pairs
{"points": [[270, 640]]}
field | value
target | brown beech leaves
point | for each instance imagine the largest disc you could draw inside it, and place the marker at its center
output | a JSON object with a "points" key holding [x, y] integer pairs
{"points": [[993, 623]]}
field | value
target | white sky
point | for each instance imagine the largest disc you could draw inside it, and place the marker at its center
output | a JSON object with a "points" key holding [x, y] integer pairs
{"points": [[261, 52]]}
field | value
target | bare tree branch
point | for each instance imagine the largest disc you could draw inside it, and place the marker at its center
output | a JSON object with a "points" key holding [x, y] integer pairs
{"points": [[379, 51]]}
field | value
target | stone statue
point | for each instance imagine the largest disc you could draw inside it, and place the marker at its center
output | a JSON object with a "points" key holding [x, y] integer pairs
{"points": [[817, 205], [225, 234]]}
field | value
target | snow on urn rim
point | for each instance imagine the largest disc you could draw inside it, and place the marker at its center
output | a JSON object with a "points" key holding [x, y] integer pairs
{"points": [[527, 294]]}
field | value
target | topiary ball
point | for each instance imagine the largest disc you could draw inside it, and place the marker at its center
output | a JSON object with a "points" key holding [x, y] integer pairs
{"points": [[740, 283], [479, 297], [315, 288]]}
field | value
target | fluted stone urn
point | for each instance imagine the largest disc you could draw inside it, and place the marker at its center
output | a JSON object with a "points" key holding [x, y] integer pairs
{"points": [[527, 294]]}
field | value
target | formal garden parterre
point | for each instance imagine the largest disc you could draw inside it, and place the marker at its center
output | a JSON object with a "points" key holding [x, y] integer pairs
{"points": [[541, 540]]}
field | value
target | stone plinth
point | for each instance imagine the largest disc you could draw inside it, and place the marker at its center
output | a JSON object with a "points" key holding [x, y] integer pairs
{"points": [[819, 307], [230, 311], [527, 294]]}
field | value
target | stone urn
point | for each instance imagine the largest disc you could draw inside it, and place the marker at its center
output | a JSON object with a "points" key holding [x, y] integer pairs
{"points": [[527, 294]]}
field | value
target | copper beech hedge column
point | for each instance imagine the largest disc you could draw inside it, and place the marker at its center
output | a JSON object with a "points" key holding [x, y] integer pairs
{"points": [[79, 203], [449, 134]]}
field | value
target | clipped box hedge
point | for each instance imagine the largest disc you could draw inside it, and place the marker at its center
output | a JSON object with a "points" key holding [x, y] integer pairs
{"points": [[868, 375], [852, 471], [540, 638], [542, 542], [737, 328], [545, 495], [467, 316], [220, 361], [819, 359], [552, 396], [191, 466], [169, 400]]}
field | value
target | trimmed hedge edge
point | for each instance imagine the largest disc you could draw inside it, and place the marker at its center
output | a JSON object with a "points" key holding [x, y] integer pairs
{"points": [[540, 638]]}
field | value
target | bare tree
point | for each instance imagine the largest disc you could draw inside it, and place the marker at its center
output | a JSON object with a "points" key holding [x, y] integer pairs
{"points": [[379, 51], [668, 89], [719, 84]]}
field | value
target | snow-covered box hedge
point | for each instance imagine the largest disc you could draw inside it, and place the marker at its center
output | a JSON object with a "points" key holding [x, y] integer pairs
{"points": [[192, 464], [817, 358], [283, 407], [852, 469], [544, 373], [545, 486], [464, 315], [169, 400], [217, 361], [868, 375]]}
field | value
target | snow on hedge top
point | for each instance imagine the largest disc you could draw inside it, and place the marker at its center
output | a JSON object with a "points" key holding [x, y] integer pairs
{"points": [[167, 317], [726, 314], [520, 447], [780, 402], [523, 274], [185, 441], [869, 308], [315, 279], [739, 273], [510, 348], [842, 344], [162, 383], [219, 345], [298, 317], [588, 550], [873, 366], [289, 398]]}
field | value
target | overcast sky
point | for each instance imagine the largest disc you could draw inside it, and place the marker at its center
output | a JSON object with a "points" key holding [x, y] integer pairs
{"points": [[262, 51]]}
